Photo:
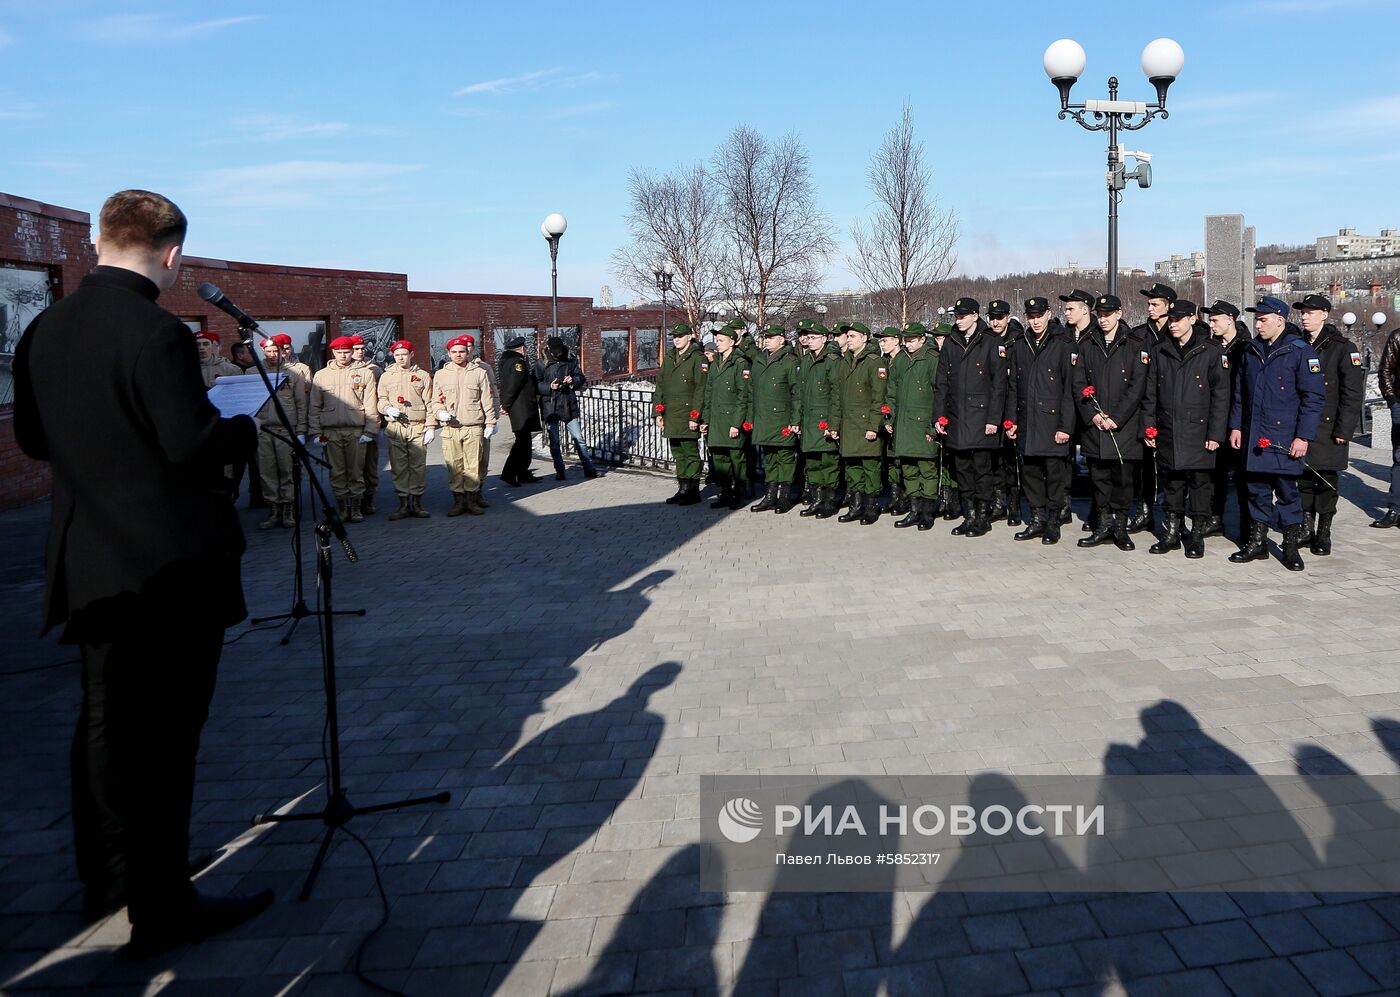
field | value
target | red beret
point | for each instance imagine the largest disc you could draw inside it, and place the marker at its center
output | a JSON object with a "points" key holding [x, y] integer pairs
{"points": [[343, 343], [265, 343], [466, 341], [356, 340], [402, 344], [213, 337], [282, 339]]}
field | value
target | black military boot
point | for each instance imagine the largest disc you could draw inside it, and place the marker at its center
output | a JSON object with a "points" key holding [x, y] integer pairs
{"points": [[1052, 532], [899, 501], [981, 520], [1103, 531], [952, 507], [721, 501], [818, 501], [769, 500], [1036, 527], [1255, 546], [927, 513], [1322, 538], [415, 508], [690, 492], [827, 507], [870, 511], [1292, 537], [1195, 541], [1066, 515], [1091, 521], [401, 512], [680, 493], [1391, 518], [783, 501], [1171, 536], [853, 513], [969, 519], [1121, 539], [1013, 510], [1308, 528], [915, 515], [1141, 519], [997, 509], [740, 494], [1210, 526]]}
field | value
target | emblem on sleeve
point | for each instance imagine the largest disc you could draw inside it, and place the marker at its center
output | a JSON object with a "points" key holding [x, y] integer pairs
{"points": [[1314, 366]]}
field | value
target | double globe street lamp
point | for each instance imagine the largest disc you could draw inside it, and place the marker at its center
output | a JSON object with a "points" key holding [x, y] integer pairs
{"points": [[552, 228], [1162, 60]]}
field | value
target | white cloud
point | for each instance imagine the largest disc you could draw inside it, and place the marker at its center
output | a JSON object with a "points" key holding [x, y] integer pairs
{"points": [[577, 110], [154, 27], [279, 127], [1379, 115], [299, 183], [6, 38], [539, 79]]}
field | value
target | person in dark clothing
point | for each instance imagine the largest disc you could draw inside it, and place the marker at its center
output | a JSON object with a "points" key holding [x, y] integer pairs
{"points": [[969, 405], [144, 576], [515, 377], [1042, 415], [1388, 376], [1153, 332], [559, 381], [1229, 462]]}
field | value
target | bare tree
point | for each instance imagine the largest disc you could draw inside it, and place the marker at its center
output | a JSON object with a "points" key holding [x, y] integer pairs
{"points": [[674, 218], [908, 243], [777, 239]]}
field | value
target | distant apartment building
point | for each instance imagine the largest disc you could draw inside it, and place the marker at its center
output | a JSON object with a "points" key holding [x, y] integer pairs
{"points": [[1179, 268], [1074, 270], [1346, 244], [1350, 272]]}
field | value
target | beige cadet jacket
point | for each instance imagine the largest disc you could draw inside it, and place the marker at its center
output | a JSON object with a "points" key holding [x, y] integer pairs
{"points": [[293, 390], [216, 368], [343, 398], [467, 393], [410, 391]]}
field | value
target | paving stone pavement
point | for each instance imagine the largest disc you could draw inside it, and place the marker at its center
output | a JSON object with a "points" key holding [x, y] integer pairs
{"points": [[569, 664]]}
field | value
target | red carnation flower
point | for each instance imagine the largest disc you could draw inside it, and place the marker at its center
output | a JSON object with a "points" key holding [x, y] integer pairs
{"points": [[1150, 432], [884, 410], [323, 438], [660, 408], [943, 420], [400, 399], [1008, 424], [1088, 392], [1264, 443], [695, 413], [787, 430], [414, 378], [748, 426], [823, 425]]}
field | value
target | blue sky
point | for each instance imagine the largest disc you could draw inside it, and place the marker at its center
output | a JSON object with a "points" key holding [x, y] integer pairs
{"points": [[432, 138]]}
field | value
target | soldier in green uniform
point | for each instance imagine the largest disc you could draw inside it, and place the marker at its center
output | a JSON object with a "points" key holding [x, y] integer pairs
{"points": [[859, 414], [777, 398], [726, 422], [897, 359], [679, 400], [910, 398], [818, 372], [745, 347]]}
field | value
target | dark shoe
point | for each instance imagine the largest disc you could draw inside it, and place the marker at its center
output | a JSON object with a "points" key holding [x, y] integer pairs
{"points": [[870, 511], [367, 504], [1066, 515], [785, 502], [769, 500], [590, 473], [1013, 511], [558, 475], [1213, 526], [401, 512], [273, 519], [900, 503], [969, 516], [721, 501], [459, 504], [1036, 528], [289, 519], [1121, 539], [1052, 533], [415, 508], [981, 520], [1255, 547], [1391, 518], [356, 514], [997, 509], [1141, 519], [680, 491], [528, 477], [739, 496], [690, 492], [854, 512], [1292, 535], [814, 500], [952, 508], [513, 482], [826, 508], [1322, 538], [1195, 541], [205, 917], [915, 516], [475, 507], [927, 513], [1103, 531], [1307, 529], [1171, 536]]}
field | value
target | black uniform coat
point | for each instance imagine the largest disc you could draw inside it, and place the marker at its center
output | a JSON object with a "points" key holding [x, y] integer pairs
{"points": [[560, 404], [1118, 373], [1188, 401], [1040, 394], [108, 390], [971, 391], [1345, 382], [515, 378]]}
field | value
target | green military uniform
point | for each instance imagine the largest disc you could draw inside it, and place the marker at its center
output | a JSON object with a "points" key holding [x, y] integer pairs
{"points": [[777, 399], [818, 374], [894, 471], [679, 400], [728, 400], [910, 399], [857, 410], [746, 346]]}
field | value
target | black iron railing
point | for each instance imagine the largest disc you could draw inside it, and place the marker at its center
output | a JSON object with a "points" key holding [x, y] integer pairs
{"points": [[618, 421]]}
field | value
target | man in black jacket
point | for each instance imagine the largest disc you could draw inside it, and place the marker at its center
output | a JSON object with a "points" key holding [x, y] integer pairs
{"points": [[969, 404], [143, 563], [1345, 381], [1040, 408], [515, 376], [1153, 332], [1388, 374], [559, 382], [1225, 331]]}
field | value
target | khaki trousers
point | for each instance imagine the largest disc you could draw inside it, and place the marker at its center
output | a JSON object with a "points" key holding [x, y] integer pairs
{"points": [[408, 457], [347, 462], [275, 462], [464, 452]]}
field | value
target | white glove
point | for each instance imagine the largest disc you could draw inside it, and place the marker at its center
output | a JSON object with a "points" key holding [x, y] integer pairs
{"points": [[392, 412], [444, 417], [428, 435], [366, 439], [490, 432]]}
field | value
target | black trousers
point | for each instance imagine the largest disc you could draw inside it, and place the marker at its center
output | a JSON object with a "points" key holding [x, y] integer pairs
{"points": [[1176, 484], [1046, 482], [1113, 484], [975, 473], [1230, 475], [1145, 482], [520, 456], [1319, 497], [145, 700]]}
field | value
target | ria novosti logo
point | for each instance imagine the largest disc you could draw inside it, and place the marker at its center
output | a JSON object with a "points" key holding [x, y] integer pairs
{"points": [[741, 820]]}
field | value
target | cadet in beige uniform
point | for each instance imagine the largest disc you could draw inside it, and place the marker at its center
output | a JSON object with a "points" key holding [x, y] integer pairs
{"points": [[342, 414], [464, 406], [275, 460], [213, 364], [370, 470], [405, 393]]}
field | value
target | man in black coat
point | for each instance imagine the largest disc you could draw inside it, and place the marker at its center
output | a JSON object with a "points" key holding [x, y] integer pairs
{"points": [[1187, 411], [1110, 380], [559, 381], [1345, 381], [1153, 332], [515, 376], [969, 404], [143, 563], [1225, 331], [1040, 408], [1388, 376]]}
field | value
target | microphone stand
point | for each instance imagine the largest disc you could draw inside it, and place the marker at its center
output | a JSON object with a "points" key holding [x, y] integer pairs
{"points": [[338, 810]]}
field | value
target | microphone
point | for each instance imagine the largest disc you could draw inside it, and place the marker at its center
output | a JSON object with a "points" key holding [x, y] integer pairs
{"points": [[215, 297]]}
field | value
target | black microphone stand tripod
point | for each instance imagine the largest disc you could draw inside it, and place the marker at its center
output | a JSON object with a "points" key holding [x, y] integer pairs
{"points": [[338, 810]]}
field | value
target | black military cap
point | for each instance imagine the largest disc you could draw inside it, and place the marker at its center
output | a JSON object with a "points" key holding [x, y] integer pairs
{"points": [[996, 308], [1222, 307], [1078, 295], [774, 330], [1037, 306], [1107, 303], [1313, 302], [966, 306], [1181, 308], [1159, 291], [681, 329], [518, 341]]}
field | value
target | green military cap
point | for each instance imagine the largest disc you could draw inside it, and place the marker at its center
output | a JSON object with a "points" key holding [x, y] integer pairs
{"points": [[681, 329], [942, 329], [774, 330], [811, 325], [912, 329], [859, 327], [736, 323], [889, 332]]}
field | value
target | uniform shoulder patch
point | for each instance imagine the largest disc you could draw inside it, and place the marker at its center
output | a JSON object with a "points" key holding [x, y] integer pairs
{"points": [[1001, 350], [1225, 361], [744, 374], [882, 372], [520, 366], [704, 367], [1143, 356], [1314, 365], [1074, 359], [1356, 359]]}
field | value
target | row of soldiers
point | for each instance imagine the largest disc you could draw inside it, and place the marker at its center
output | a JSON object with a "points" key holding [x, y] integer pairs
{"points": [[969, 419]]}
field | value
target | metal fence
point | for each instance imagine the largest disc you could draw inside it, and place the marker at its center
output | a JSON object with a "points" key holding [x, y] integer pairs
{"points": [[618, 422]]}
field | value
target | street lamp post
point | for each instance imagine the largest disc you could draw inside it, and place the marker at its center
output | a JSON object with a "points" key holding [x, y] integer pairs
{"points": [[821, 313], [665, 273], [1162, 60], [553, 230]]}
